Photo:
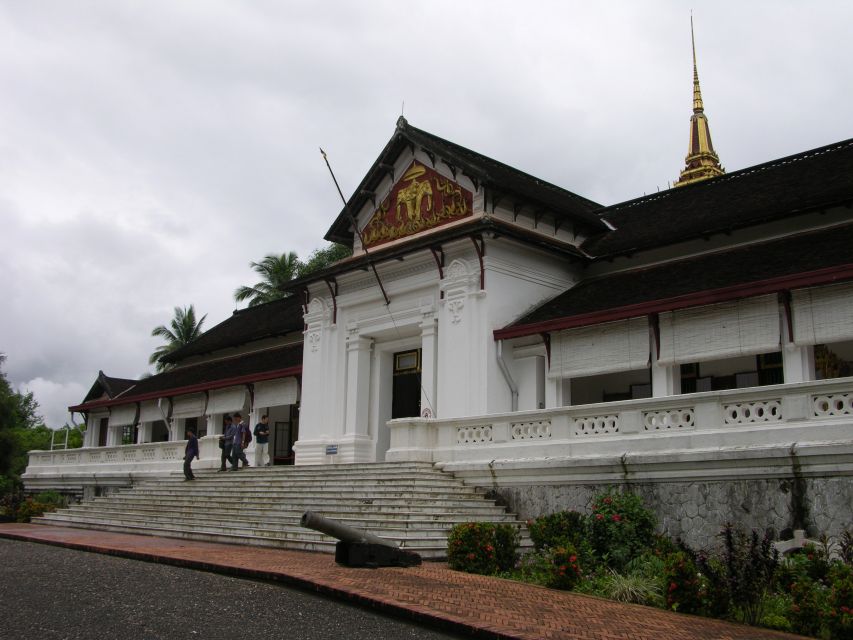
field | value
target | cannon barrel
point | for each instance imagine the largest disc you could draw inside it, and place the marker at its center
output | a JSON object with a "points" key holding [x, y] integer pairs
{"points": [[340, 531]]}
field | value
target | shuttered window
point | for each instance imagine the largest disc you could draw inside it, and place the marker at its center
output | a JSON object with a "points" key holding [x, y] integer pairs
{"points": [[713, 332], [823, 314], [275, 393], [226, 400], [602, 348]]}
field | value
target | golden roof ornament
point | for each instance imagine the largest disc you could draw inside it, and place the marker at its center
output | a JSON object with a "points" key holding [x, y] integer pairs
{"points": [[702, 161]]}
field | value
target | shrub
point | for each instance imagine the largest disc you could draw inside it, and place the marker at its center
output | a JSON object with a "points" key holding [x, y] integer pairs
{"points": [[565, 567], [777, 610], [845, 547], [471, 548], [507, 540], [808, 602], [634, 587], [561, 528], [51, 497], [683, 588], [31, 508], [839, 613], [483, 547], [621, 528], [750, 563]]}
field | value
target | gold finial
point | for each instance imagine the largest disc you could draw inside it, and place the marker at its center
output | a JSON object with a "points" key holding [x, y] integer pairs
{"points": [[697, 93], [702, 161]]}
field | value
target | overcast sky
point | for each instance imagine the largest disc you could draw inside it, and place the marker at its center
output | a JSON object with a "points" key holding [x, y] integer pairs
{"points": [[150, 150]]}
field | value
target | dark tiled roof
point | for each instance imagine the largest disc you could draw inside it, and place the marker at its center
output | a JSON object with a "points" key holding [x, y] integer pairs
{"points": [[108, 386], [245, 325], [806, 252], [491, 173], [807, 181], [197, 377]]}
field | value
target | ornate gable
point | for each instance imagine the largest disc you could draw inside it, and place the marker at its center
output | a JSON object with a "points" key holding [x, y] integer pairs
{"points": [[422, 199]]}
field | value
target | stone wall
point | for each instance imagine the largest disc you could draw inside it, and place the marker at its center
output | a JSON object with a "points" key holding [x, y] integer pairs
{"points": [[696, 510]]}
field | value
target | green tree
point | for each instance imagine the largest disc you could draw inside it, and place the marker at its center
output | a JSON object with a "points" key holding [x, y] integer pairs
{"points": [[276, 272], [20, 425], [322, 258], [184, 329]]}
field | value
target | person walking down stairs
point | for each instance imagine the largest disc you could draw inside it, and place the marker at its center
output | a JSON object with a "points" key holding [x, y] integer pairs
{"points": [[225, 442], [190, 452], [242, 437], [262, 438]]}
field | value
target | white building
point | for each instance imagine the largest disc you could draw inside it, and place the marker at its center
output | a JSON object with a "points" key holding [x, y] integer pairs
{"points": [[697, 341]]}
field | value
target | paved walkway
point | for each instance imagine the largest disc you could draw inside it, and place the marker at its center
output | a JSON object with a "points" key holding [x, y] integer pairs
{"points": [[432, 593]]}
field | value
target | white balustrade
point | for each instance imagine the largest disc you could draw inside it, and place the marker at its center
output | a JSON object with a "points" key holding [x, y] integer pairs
{"points": [[836, 404], [533, 430], [597, 425], [476, 434], [753, 412], [668, 419]]}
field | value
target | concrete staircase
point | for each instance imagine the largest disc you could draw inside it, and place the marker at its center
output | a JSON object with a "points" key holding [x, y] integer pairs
{"points": [[411, 503]]}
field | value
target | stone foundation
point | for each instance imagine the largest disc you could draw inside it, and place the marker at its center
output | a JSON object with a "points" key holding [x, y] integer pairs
{"points": [[696, 511]]}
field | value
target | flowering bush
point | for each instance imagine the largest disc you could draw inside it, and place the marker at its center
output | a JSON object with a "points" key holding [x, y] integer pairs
{"points": [[839, 618], [620, 527], [507, 540], [565, 567], [808, 603], [482, 547], [683, 587], [561, 528]]}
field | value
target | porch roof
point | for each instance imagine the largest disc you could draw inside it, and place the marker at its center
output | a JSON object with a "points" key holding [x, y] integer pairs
{"points": [[243, 369], [807, 181], [270, 320], [806, 259]]}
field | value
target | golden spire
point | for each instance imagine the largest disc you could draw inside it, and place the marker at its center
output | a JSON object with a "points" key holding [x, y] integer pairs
{"points": [[702, 161]]}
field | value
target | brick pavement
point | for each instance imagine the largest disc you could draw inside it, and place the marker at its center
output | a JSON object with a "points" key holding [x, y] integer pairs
{"points": [[481, 605]]}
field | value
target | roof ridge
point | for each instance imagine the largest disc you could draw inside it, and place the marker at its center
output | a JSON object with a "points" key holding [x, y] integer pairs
{"points": [[734, 175], [539, 181]]}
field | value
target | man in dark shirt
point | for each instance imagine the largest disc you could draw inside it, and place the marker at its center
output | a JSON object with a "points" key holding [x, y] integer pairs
{"points": [[190, 452], [262, 435], [241, 434], [225, 442]]}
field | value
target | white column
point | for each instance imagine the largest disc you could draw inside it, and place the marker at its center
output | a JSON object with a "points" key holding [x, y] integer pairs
{"points": [[798, 363], [557, 392], [214, 424], [358, 384], [666, 379], [429, 344], [144, 433]]}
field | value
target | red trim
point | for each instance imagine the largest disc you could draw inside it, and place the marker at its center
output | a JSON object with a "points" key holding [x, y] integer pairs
{"points": [[193, 388], [695, 299], [546, 338]]}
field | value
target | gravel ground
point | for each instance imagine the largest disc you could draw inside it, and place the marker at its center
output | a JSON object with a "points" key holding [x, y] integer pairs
{"points": [[50, 592]]}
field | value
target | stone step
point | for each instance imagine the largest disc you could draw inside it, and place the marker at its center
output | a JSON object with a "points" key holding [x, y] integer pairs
{"points": [[291, 519], [249, 494], [319, 503], [277, 479], [413, 504], [250, 527], [430, 548], [364, 519]]}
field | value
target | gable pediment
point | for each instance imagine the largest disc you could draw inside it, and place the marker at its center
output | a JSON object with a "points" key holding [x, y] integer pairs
{"points": [[420, 200]]}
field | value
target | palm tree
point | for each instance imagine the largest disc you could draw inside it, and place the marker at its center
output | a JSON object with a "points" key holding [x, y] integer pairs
{"points": [[184, 330], [276, 272]]}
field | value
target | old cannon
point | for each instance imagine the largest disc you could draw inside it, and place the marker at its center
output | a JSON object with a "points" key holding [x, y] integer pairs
{"points": [[357, 548]]}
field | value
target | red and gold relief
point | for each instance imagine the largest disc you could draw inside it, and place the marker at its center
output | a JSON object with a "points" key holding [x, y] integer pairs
{"points": [[423, 199]]}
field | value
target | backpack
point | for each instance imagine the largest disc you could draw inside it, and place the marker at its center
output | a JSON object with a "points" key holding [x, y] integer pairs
{"points": [[247, 435]]}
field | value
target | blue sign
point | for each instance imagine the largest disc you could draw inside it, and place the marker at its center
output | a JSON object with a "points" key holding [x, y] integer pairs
{"points": [[331, 449]]}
